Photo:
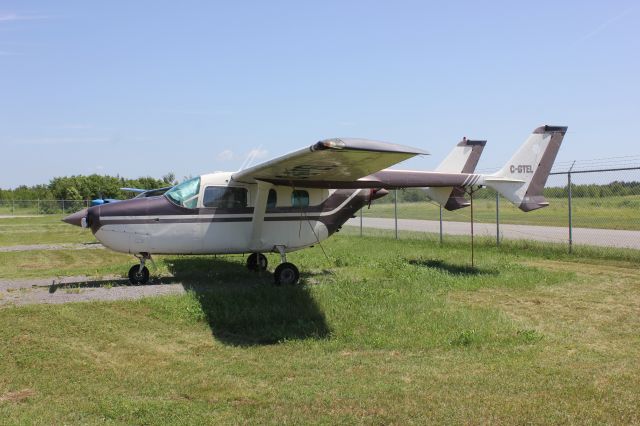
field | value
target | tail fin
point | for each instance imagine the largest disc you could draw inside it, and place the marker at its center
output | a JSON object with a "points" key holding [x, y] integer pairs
{"points": [[462, 159], [522, 179]]}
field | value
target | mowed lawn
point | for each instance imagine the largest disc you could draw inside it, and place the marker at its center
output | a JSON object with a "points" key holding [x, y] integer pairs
{"points": [[381, 331], [45, 229], [620, 212]]}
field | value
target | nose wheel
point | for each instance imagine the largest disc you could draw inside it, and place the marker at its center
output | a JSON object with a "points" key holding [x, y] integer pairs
{"points": [[139, 274]]}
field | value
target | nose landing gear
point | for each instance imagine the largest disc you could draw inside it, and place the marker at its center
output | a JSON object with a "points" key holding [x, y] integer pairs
{"points": [[139, 274]]}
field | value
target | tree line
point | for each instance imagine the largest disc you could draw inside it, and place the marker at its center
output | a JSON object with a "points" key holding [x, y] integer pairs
{"points": [[85, 187]]}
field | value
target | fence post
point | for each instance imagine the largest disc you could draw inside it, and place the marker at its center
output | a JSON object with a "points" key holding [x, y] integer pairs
{"points": [[361, 221], [570, 213], [13, 207], [38, 212], [395, 210], [473, 263], [440, 223], [497, 218], [62, 206]]}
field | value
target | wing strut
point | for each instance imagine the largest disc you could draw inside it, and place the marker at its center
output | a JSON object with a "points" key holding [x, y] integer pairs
{"points": [[259, 210]]}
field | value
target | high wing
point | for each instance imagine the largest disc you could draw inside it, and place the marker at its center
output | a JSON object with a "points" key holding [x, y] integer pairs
{"points": [[328, 163]]}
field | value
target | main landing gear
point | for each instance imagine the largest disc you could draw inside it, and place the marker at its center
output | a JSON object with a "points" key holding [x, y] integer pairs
{"points": [[285, 274], [257, 262], [139, 274]]}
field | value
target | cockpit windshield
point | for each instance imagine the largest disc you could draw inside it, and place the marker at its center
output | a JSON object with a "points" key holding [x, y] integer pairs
{"points": [[185, 194]]}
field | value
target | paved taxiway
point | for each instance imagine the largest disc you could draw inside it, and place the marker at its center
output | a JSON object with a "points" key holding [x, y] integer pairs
{"points": [[553, 234]]}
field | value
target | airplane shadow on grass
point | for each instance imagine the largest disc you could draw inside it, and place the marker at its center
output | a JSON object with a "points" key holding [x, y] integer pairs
{"points": [[245, 308], [241, 307]]}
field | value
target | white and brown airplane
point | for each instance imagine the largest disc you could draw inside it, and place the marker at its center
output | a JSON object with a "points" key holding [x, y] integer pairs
{"points": [[301, 198]]}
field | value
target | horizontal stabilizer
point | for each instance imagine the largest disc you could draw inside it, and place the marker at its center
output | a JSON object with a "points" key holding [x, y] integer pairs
{"points": [[492, 179]]}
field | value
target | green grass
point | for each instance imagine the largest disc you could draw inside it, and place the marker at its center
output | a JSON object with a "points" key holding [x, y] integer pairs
{"points": [[605, 213], [41, 230], [63, 263], [384, 331]]}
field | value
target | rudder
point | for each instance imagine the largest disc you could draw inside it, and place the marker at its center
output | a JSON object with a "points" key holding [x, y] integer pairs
{"points": [[462, 159], [524, 176]]}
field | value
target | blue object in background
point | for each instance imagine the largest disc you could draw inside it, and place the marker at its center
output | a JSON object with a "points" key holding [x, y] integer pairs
{"points": [[100, 201]]}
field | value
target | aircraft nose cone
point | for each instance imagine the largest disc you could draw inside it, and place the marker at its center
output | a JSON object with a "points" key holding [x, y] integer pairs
{"points": [[76, 218]]}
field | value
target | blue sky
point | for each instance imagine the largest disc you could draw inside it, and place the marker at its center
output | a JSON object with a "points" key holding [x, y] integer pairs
{"points": [[148, 87]]}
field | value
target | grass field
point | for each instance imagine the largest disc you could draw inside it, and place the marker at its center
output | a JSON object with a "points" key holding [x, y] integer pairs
{"points": [[384, 331], [47, 229], [604, 213]]}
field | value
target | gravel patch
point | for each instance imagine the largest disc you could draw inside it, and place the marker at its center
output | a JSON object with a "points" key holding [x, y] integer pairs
{"points": [[81, 289]]}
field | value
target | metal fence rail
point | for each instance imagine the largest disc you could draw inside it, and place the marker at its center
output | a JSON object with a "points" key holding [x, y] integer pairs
{"points": [[38, 207]]}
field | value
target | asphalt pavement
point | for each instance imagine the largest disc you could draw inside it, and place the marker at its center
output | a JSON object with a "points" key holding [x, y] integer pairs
{"points": [[554, 234]]}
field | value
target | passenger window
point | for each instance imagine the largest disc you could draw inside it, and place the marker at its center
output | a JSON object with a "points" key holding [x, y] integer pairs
{"points": [[224, 197], [272, 200], [299, 198]]}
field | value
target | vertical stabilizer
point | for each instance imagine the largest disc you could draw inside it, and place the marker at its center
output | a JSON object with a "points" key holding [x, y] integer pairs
{"points": [[523, 177], [462, 159]]}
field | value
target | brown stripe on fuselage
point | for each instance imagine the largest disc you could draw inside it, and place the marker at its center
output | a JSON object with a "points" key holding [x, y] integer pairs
{"points": [[161, 206]]}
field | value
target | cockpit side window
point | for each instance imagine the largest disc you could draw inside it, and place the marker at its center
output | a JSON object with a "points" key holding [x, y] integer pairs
{"points": [[300, 198], [272, 199], [225, 197], [185, 194]]}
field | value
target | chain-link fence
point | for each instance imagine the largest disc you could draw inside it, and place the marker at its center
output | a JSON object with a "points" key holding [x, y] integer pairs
{"points": [[589, 207], [37, 207]]}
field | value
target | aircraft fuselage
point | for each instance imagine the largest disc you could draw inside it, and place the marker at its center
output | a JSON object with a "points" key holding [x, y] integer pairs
{"points": [[294, 218]]}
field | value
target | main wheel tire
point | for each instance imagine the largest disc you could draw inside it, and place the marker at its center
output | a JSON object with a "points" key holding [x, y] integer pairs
{"points": [[138, 275], [286, 274], [257, 262]]}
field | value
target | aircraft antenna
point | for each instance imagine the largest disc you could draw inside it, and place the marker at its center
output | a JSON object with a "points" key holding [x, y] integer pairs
{"points": [[250, 157], [317, 238], [304, 214]]}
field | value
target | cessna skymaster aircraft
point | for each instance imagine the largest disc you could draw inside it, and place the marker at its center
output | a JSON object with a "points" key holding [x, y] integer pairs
{"points": [[301, 198]]}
